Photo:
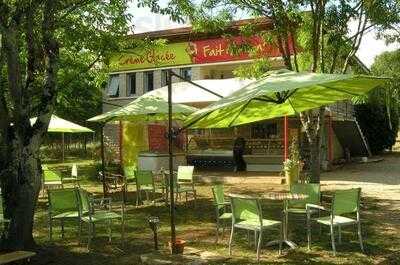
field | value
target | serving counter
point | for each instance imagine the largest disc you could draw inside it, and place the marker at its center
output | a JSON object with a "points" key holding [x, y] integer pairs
{"points": [[211, 159], [263, 162], [155, 161]]}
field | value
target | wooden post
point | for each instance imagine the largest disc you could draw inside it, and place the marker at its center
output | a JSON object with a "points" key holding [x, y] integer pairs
{"points": [[285, 138], [330, 139], [63, 146], [103, 169], [120, 143], [171, 165]]}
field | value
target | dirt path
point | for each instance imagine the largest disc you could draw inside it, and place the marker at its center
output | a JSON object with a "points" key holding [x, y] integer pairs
{"points": [[379, 180]]}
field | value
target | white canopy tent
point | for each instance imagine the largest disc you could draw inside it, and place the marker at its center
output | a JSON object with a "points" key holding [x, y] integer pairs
{"points": [[187, 93]]}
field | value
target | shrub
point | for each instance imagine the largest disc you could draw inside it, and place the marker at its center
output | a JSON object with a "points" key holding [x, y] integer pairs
{"points": [[374, 122]]}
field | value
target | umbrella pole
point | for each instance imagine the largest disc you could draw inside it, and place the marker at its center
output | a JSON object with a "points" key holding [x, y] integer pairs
{"points": [[330, 139], [103, 173], [171, 165], [286, 136], [63, 146]]}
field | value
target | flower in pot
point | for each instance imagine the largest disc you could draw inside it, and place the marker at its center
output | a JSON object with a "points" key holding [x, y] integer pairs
{"points": [[291, 166]]}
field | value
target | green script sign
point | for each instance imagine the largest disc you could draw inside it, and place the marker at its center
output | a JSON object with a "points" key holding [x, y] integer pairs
{"points": [[168, 55]]}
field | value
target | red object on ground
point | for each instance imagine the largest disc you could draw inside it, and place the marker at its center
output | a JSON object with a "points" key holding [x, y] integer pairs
{"points": [[179, 246]]}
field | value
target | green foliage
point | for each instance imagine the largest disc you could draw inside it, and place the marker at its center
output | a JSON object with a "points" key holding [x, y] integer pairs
{"points": [[294, 156], [254, 70], [320, 28], [99, 29], [374, 122], [379, 112]]}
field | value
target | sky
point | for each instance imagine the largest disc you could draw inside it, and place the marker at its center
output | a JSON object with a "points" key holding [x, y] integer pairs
{"points": [[144, 20]]}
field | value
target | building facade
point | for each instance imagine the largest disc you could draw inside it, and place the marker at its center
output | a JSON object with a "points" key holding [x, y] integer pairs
{"points": [[197, 56]]}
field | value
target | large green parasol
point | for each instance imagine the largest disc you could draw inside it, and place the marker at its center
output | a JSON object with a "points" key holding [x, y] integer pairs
{"points": [[281, 93]]}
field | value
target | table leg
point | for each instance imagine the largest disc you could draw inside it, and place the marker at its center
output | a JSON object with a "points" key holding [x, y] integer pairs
{"points": [[286, 241]]}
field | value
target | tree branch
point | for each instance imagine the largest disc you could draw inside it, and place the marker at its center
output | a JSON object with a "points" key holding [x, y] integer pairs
{"points": [[11, 49], [357, 42], [31, 55], [51, 51]]}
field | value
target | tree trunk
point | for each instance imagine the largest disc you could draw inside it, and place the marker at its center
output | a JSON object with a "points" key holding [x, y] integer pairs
{"points": [[315, 163], [21, 184], [313, 122]]}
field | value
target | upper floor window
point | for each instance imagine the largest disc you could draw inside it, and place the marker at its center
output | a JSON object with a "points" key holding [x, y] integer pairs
{"points": [[113, 86], [131, 82], [164, 78], [148, 81], [186, 73]]}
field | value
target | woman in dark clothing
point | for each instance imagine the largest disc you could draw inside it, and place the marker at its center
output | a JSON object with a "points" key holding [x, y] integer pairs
{"points": [[238, 150]]}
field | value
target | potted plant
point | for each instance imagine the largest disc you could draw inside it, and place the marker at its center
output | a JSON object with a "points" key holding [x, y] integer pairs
{"points": [[291, 166], [179, 246]]}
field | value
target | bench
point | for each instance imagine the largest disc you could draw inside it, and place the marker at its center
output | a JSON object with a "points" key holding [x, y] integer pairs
{"points": [[16, 256]]}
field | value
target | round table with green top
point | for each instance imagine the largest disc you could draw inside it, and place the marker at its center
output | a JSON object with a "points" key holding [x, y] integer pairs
{"points": [[284, 196]]}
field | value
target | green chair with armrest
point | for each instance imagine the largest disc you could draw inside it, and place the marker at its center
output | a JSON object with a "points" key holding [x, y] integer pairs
{"points": [[344, 203], [247, 214], [298, 207], [144, 182], [93, 211], [63, 205]]}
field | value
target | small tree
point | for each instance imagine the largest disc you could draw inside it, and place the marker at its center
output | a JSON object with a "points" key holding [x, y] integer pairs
{"points": [[378, 114]]}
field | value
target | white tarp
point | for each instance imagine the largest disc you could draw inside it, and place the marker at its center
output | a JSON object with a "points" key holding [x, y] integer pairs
{"points": [[184, 92]]}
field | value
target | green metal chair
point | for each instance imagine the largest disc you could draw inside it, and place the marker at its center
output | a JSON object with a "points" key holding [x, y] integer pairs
{"points": [[144, 182], [129, 175], [93, 211], [247, 215], [298, 207], [64, 205], [221, 214], [185, 182], [51, 179], [163, 184], [73, 178], [344, 202]]}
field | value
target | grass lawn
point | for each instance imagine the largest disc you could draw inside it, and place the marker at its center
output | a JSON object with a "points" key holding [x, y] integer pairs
{"points": [[381, 231]]}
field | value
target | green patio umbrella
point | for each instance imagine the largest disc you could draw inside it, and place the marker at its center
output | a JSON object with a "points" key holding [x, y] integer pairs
{"points": [[279, 94], [145, 108], [62, 126]]}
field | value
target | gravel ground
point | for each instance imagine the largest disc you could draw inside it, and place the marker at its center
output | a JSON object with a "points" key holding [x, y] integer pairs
{"points": [[377, 179]]}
